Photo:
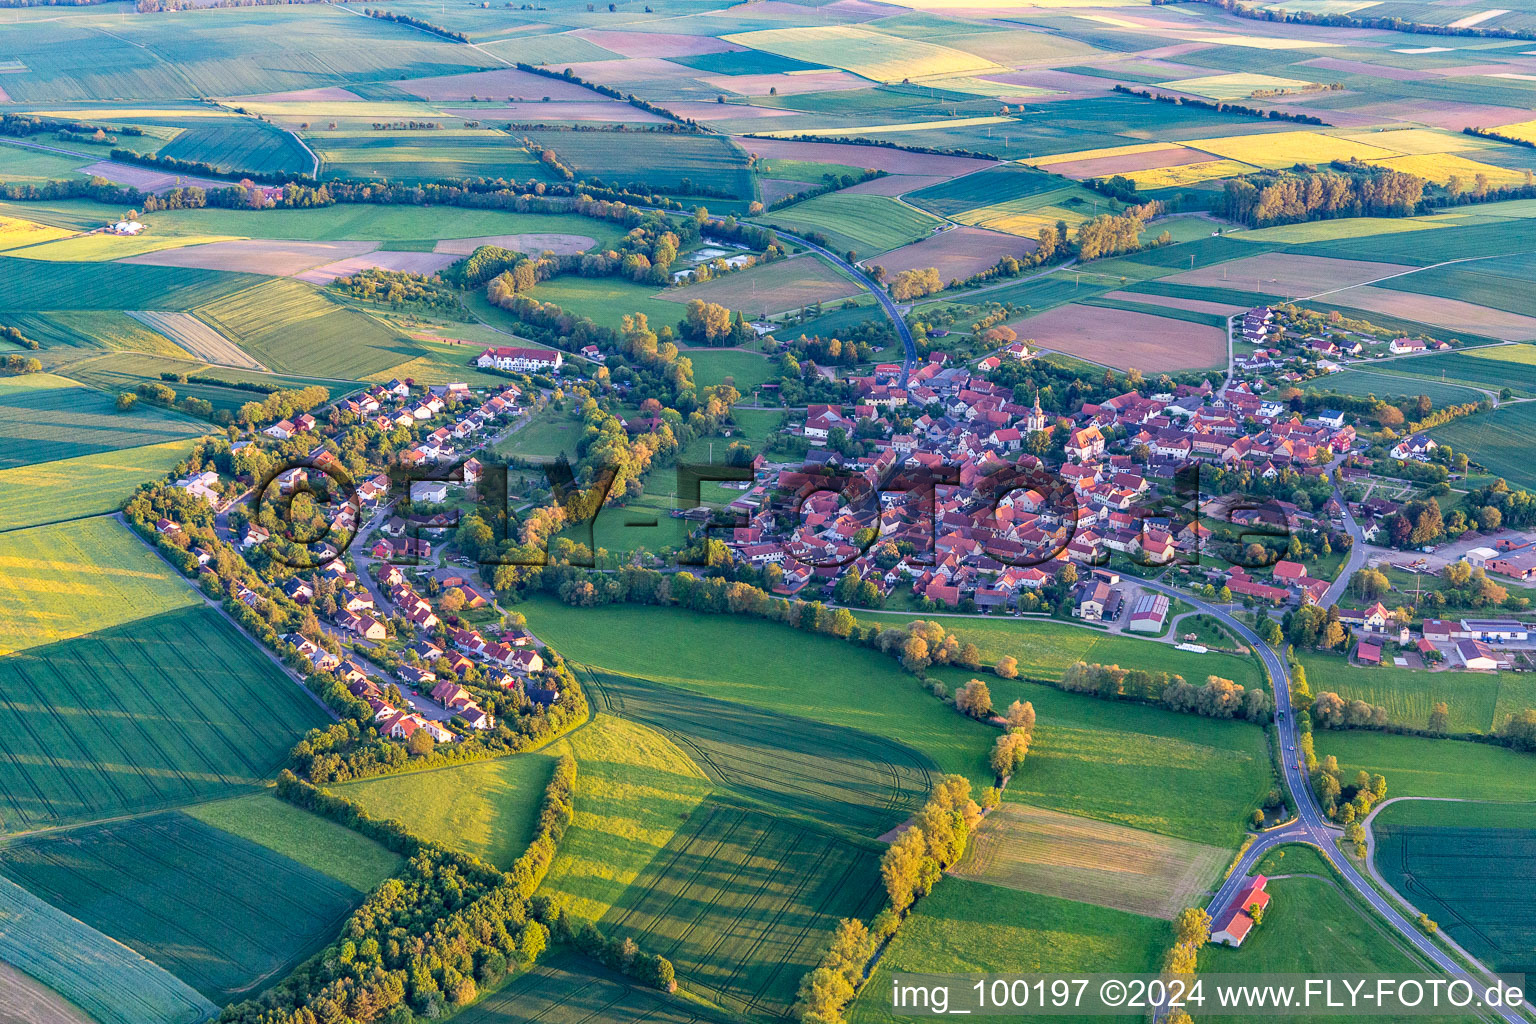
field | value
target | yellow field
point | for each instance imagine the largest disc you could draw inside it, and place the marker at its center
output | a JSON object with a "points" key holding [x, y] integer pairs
{"points": [[1525, 130], [1411, 141], [85, 485], [14, 231], [1282, 149], [1188, 174], [1002, 5], [1095, 154], [885, 129], [75, 578], [98, 247], [1235, 86], [1090, 861], [1438, 168], [874, 55], [1011, 219]]}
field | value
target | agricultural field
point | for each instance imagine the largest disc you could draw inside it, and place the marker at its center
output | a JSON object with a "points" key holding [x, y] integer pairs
{"points": [[240, 144], [1126, 338], [39, 285], [422, 156], [87, 485], [331, 849], [1076, 858], [1142, 767], [16, 233], [634, 789], [1469, 867], [67, 580], [1374, 382], [874, 55], [185, 738], [44, 418], [743, 902], [569, 990], [292, 327], [665, 161], [1495, 440], [957, 253], [764, 665], [66, 336], [773, 288], [100, 976], [997, 184], [198, 339], [863, 224], [485, 810], [973, 927], [862, 782], [224, 914]]}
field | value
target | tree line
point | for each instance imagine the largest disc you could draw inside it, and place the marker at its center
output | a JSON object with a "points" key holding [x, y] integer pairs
{"points": [[426, 942], [1221, 106], [1287, 197]]}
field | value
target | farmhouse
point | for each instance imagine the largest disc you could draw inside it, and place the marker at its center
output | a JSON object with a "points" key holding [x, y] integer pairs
{"points": [[1232, 926], [520, 360]]}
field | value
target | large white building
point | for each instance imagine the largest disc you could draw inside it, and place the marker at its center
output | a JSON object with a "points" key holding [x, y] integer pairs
{"points": [[520, 360]]}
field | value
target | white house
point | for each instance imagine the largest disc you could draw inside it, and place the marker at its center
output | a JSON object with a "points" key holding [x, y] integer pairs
{"points": [[1477, 558]]}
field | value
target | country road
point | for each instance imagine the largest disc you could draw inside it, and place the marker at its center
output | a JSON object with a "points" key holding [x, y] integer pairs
{"points": [[1310, 825]]}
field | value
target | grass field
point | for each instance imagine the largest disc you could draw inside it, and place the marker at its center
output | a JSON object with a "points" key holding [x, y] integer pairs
{"points": [[224, 914], [607, 300], [766, 665], [1143, 767], [1417, 766], [66, 580], [746, 370], [862, 782], [1499, 367], [1341, 938], [1077, 858], [116, 372], [634, 789], [875, 55], [104, 978], [331, 849], [44, 418], [292, 327], [864, 224], [158, 712], [1409, 695], [550, 432], [785, 285], [742, 902], [972, 927], [1473, 880], [88, 485], [571, 990], [486, 809], [1045, 648]]}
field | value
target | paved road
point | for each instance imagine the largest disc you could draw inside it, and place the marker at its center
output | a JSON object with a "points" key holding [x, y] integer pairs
{"points": [[1357, 550], [880, 294], [1311, 826]]}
